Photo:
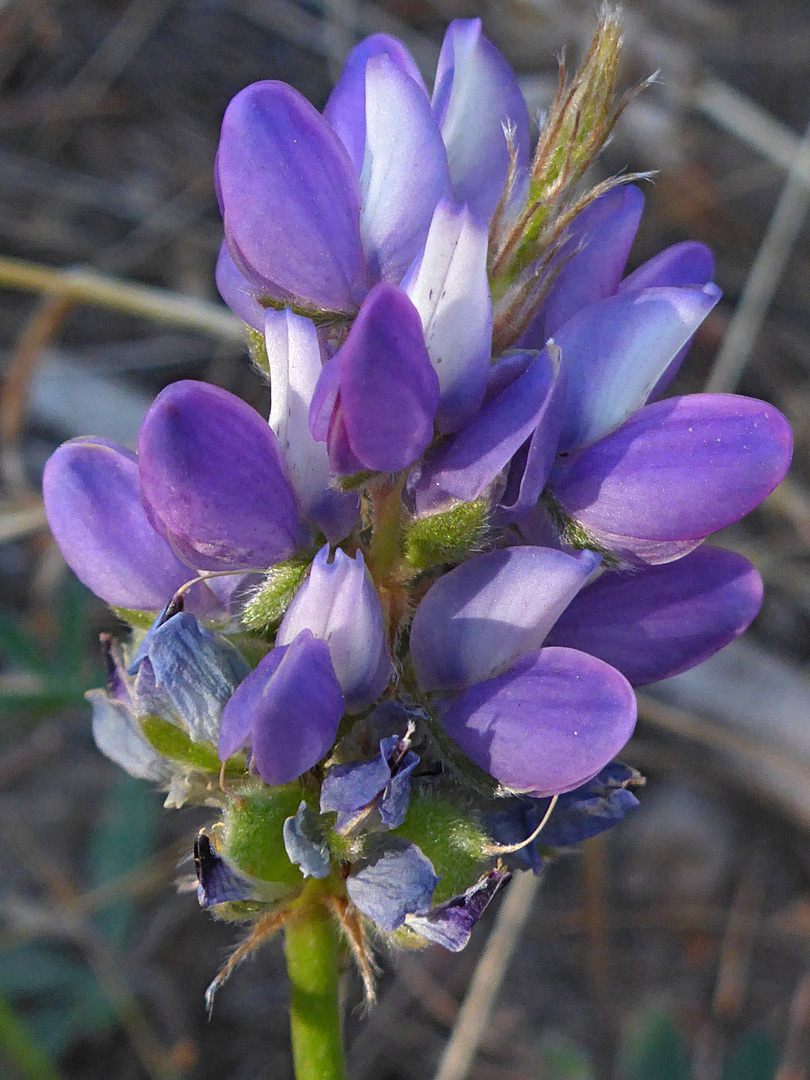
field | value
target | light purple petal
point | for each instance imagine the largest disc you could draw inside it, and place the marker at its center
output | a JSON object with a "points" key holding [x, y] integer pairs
{"points": [[94, 509], [548, 724], [304, 845], [339, 604], [237, 718], [475, 96], [118, 735], [294, 708], [213, 479], [346, 108], [676, 471], [468, 463], [388, 388], [404, 171], [615, 351], [290, 199], [661, 620], [449, 288], [600, 241], [239, 294], [478, 619]]}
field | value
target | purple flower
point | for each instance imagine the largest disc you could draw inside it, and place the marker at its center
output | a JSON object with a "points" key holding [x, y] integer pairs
{"points": [[383, 784], [287, 711], [304, 845], [451, 923], [339, 604], [392, 882]]}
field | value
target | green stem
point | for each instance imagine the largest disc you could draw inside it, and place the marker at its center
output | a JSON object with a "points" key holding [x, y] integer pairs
{"points": [[311, 945]]}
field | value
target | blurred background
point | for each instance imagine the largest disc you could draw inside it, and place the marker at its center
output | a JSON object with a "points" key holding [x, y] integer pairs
{"points": [[678, 947]]}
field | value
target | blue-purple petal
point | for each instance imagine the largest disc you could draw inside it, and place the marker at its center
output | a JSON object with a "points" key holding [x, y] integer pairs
{"points": [[241, 295], [548, 724], [615, 351], [294, 708], [93, 503], [661, 620], [290, 199], [475, 97], [396, 882], [467, 464], [675, 472], [450, 924], [480, 618], [213, 480]]}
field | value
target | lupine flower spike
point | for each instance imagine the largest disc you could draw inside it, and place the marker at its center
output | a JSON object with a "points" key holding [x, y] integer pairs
{"points": [[389, 634]]}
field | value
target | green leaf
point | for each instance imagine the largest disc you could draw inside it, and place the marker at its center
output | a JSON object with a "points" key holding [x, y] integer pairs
{"points": [[19, 1046]]}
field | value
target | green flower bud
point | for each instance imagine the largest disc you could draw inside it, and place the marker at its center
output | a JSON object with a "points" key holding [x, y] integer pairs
{"points": [[253, 839], [267, 604], [451, 839], [448, 537]]}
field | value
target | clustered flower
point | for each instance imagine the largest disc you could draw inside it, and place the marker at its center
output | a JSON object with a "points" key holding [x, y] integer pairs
{"points": [[392, 635]]}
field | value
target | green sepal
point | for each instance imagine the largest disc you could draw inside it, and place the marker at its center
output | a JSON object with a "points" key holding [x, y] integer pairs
{"points": [[447, 537], [267, 603], [173, 743], [257, 347], [253, 838], [356, 480], [451, 839], [574, 534], [138, 620]]}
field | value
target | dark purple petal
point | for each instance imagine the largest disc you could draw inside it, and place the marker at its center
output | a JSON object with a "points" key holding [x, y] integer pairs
{"points": [[94, 509], [351, 788], [468, 463], [388, 388], [548, 724], [476, 95], [597, 250], [213, 479], [239, 294], [217, 881], [304, 845], [290, 199], [346, 108], [615, 351], [394, 801], [478, 619], [675, 472], [405, 170], [395, 883], [293, 709], [661, 620], [450, 924]]}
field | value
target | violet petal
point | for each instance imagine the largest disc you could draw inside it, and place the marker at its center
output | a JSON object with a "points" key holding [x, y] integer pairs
{"points": [[388, 388], [94, 509], [484, 615], [661, 620], [548, 724], [290, 199], [241, 296], [213, 479], [675, 472], [475, 97]]}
